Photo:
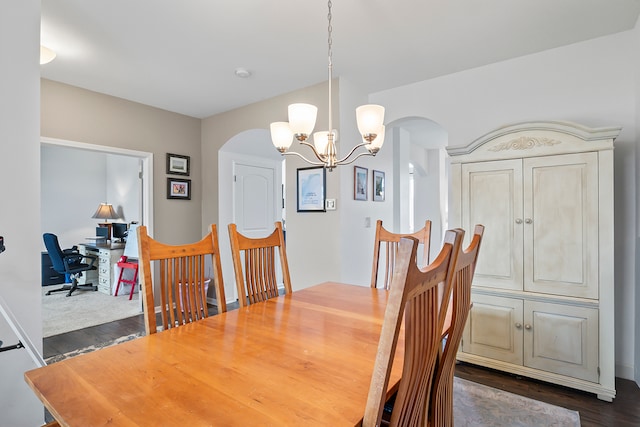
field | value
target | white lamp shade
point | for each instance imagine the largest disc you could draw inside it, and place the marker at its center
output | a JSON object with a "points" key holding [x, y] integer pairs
{"points": [[302, 118], [369, 117], [281, 135], [321, 139], [376, 143]]}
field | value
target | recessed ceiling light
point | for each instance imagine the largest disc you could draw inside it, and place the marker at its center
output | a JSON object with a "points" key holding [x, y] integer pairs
{"points": [[243, 73]]}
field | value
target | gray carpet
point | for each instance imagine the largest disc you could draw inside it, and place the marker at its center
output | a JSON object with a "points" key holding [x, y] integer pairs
{"points": [[475, 405], [478, 405], [82, 309]]}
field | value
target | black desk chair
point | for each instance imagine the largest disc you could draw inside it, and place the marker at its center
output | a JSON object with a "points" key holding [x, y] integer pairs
{"points": [[68, 261]]}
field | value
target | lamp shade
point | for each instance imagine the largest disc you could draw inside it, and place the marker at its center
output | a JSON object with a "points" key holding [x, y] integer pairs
{"points": [[105, 211], [281, 135], [321, 140], [302, 118], [369, 117]]}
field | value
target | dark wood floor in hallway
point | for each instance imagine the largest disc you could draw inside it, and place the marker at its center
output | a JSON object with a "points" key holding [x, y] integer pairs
{"points": [[624, 411]]}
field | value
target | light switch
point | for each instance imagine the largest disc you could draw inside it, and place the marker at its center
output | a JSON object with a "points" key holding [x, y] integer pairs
{"points": [[330, 204], [367, 222]]}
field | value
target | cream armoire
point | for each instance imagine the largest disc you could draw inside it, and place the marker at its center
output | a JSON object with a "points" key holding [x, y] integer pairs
{"points": [[543, 303]]}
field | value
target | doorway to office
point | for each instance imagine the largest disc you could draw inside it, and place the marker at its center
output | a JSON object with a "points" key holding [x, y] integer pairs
{"points": [[86, 170]]}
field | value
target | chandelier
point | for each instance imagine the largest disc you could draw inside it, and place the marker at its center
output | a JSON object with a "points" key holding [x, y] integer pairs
{"points": [[302, 119]]}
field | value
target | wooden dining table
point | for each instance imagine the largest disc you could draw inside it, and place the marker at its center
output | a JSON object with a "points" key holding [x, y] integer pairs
{"points": [[301, 359]]}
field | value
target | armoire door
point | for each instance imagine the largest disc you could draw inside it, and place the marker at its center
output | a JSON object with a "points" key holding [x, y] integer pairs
{"points": [[492, 196], [494, 328], [561, 225]]}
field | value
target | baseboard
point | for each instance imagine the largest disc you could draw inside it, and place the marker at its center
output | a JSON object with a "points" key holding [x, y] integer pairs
{"points": [[624, 372]]}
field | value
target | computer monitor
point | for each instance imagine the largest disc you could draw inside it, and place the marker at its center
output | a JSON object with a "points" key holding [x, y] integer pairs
{"points": [[103, 233], [120, 230]]}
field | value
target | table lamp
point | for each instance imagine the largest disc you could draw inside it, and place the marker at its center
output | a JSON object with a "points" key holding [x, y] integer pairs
{"points": [[105, 211]]}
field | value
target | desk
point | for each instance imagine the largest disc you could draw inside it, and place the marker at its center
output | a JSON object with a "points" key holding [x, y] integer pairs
{"points": [[303, 359], [108, 255]]}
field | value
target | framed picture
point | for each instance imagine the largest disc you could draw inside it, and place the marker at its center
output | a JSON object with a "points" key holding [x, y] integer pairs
{"points": [[178, 188], [177, 164], [378, 186], [360, 183], [311, 183]]}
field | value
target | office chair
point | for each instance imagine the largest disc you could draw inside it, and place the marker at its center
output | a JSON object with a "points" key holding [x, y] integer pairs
{"points": [[68, 261]]}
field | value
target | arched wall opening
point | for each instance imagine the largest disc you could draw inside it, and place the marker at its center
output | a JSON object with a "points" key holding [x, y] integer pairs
{"points": [[251, 148], [420, 176]]}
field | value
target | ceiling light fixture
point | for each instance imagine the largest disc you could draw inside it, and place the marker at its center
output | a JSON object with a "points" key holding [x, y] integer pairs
{"points": [[46, 55], [302, 119]]}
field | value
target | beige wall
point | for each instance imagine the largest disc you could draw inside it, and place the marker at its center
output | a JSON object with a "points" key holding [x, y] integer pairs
{"points": [[75, 114]]}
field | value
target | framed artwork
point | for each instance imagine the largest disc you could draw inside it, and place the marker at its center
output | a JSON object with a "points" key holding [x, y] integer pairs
{"points": [[178, 188], [360, 183], [378, 186], [311, 183], [177, 164]]}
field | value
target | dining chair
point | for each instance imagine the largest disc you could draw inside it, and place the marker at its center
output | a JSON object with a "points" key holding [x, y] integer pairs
{"points": [[388, 241], [254, 263], [441, 407], [181, 279], [414, 293]]}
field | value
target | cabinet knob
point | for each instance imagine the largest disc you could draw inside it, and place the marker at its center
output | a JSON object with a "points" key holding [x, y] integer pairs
{"points": [[527, 326], [518, 325], [528, 221], [518, 221]]}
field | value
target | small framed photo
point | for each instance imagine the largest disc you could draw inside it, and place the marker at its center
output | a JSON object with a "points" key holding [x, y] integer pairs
{"points": [[360, 183], [378, 186], [177, 164], [178, 188], [311, 183]]}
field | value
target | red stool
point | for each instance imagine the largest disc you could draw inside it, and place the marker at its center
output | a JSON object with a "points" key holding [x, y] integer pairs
{"points": [[123, 264]]}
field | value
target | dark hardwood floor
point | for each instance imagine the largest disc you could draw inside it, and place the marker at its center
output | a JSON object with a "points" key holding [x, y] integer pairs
{"points": [[624, 411]]}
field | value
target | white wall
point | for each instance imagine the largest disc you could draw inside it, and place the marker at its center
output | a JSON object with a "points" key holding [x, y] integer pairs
{"points": [[74, 182], [357, 218], [591, 83], [20, 213]]}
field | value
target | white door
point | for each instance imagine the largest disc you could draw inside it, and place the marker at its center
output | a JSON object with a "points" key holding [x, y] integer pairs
{"points": [[255, 198]]}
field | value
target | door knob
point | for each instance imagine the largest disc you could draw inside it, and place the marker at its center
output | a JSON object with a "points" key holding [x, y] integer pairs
{"points": [[528, 221], [518, 325], [518, 221], [527, 326]]}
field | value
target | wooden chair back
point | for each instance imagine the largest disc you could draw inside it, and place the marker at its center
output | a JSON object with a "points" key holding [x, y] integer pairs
{"points": [[414, 293], [386, 244], [441, 408], [181, 279], [254, 262]]}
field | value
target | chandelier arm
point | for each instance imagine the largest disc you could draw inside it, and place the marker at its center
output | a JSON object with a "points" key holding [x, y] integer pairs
{"points": [[293, 153], [315, 152], [343, 162], [350, 153]]}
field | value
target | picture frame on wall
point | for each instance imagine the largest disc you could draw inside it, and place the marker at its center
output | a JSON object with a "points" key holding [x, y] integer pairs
{"points": [[360, 177], [312, 189], [178, 188], [378, 186], [178, 164]]}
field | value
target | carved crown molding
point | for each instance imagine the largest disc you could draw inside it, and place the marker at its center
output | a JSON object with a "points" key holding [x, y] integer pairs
{"points": [[525, 143]]}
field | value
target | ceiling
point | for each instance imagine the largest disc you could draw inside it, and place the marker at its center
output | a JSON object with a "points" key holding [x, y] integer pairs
{"points": [[181, 56]]}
